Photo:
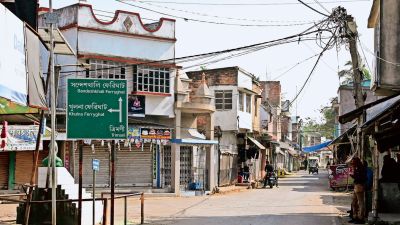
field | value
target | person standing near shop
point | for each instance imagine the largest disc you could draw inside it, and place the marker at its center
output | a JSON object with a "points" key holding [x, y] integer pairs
{"points": [[305, 164], [358, 203]]}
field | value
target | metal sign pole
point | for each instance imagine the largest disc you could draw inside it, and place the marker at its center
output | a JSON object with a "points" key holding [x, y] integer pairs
{"points": [[94, 192], [53, 122], [112, 181]]}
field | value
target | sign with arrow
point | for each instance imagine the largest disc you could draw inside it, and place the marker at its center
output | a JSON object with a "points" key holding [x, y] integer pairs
{"points": [[97, 109]]}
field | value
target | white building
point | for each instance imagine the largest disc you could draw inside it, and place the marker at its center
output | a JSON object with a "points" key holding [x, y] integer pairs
{"points": [[123, 48]]}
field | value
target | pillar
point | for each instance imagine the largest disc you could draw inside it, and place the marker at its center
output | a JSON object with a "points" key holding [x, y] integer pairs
{"points": [[175, 155], [210, 158], [375, 188]]}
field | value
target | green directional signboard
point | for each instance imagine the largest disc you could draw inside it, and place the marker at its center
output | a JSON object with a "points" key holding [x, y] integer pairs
{"points": [[97, 109]]}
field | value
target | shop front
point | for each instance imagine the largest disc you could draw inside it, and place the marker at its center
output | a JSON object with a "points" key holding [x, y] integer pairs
{"points": [[194, 160], [17, 155], [4, 165], [138, 160]]}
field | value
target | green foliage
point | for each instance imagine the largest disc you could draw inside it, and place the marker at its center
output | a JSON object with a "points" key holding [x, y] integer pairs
{"points": [[347, 73], [323, 128]]}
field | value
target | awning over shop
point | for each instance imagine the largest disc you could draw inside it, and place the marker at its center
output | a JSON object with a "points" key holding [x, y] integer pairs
{"points": [[343, 138], [288, 147], [377, 111], [316, 147], [350, 116], [192, 136], [194, 141], [258, 144]]}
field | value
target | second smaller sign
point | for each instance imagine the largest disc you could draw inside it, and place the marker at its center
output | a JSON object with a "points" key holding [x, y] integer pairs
{"points": [[96, 164]]}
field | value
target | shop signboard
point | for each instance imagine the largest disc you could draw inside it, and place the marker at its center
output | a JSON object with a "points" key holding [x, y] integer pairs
{"points": [[22, 138], [13, 77], [339, 176], [137, 105], [134, 133], [97, 109], [152, 133]]}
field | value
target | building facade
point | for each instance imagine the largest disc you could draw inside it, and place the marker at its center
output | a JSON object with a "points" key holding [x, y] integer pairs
{"points": [[236, 103], [130, 50]]}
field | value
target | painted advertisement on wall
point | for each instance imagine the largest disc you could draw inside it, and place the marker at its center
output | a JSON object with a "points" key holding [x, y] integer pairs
{"points": [[13, 78]]}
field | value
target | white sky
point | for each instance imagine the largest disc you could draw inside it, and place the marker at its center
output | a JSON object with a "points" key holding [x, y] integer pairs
{"points": [[194, 38]]}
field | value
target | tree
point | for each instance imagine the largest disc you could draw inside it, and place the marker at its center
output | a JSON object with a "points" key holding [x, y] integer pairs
{"points": [[324, 128], [347, 73]]}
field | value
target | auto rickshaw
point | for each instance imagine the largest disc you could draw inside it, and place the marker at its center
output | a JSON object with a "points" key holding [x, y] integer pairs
{"points": [[313, 165]]}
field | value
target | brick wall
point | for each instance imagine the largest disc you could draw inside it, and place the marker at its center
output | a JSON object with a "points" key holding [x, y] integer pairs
{"points": [[271, 92], [215, 77]]}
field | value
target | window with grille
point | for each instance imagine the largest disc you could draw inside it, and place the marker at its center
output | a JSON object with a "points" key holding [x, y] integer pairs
{"points": [[105, 69], [151, 79], [223, 100]]}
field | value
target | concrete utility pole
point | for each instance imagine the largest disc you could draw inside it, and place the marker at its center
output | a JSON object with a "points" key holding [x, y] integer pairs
{"points": [[351, 28]]}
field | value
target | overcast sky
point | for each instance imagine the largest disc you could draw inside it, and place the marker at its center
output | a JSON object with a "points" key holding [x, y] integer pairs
{"points": [[196, 37]]}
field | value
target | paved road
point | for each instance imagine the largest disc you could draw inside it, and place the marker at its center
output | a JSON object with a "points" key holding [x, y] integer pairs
{"points": [[300, 199]]}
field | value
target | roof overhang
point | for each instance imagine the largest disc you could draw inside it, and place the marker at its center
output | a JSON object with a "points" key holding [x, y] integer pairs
{"points": [[350, 116], [61, 46], [258, 144]]}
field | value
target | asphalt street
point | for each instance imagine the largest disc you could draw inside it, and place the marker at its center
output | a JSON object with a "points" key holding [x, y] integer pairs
{"points": [[300, 199]]}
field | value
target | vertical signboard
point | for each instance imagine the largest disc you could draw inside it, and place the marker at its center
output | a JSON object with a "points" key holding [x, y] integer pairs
{"points": [[13, 79], [137, 105], [97, 109]]}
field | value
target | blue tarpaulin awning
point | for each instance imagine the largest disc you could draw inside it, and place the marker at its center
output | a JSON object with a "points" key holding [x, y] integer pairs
{"points": [[316, 147]]}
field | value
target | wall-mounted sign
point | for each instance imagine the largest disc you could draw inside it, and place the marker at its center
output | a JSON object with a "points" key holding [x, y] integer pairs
{"points": [[22, 137], [133, 133], [151, 133], [137, 105]]}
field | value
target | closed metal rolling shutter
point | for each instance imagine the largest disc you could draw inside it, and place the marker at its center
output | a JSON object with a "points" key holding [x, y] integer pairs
{"points": [[134, 168], [23, 167], [24, 164], [4, 160], [101, 153]]}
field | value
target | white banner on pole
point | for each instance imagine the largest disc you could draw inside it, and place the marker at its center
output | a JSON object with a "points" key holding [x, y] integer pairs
{"points": [[13, 78]]}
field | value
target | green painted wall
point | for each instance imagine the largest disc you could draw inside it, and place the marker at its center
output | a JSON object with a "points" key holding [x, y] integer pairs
{"points": [[11, 170]]}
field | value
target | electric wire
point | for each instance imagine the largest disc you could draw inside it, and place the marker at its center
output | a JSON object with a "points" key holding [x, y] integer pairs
{"points": [[378, 57], [294, 66], [313, 9], [203, 55], [322, 6], [290, 23], [328, 46], [199, 20], [250, 4]]}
